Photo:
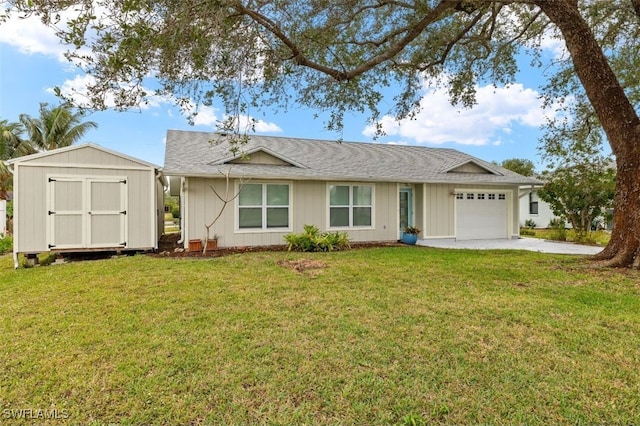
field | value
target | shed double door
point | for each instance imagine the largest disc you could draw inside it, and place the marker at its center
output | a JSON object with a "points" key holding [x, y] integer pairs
{"points": [[87, 212]]}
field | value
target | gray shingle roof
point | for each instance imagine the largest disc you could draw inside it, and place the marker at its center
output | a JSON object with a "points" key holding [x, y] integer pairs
{"points": [[205, 154]]}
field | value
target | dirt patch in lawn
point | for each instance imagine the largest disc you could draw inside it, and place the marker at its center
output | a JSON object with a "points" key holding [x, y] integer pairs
{"points": [[303, 265]]}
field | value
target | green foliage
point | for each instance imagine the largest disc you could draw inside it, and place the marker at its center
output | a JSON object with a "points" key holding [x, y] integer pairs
{"points": [[10, 209], [337, 57], [173, 204], [11, 146], [56, 127], [520, 165], [312, 240], [558, 230], [530, 223], [412, 230], [47, 259], [6, 244], [527, 231], [580, 192]]}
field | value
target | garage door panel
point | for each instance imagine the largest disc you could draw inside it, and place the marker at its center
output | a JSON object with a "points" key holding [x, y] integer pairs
{"points": [[481, 216]]}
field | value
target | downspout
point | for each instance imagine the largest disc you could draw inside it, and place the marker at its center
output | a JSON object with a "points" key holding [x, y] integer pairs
{"points": [[183, 184], [159, 212]]}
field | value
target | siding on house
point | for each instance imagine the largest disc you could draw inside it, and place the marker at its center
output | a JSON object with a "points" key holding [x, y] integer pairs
{"points": [[309, 206], [434, 211]]}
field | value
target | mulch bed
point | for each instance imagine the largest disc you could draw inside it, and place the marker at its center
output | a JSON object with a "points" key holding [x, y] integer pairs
{"points": [[168, 247]]}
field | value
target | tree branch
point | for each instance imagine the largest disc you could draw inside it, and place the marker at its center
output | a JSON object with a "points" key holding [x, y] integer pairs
{"points": [[300, 59], [636, 7]]}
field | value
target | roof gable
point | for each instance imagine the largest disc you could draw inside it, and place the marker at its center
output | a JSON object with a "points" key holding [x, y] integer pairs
{"points": [[471, 166], [80, 154], [260, 156]]}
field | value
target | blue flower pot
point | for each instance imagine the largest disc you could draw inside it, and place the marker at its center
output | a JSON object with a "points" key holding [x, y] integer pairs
{"points": [[410, 239]]}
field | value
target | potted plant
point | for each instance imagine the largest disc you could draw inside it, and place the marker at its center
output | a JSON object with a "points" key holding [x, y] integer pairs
{"points": [[410, 235], [212, 243]]}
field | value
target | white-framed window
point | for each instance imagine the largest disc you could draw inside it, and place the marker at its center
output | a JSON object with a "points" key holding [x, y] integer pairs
{"points": [[492, 196], [480, 196], [350, 206], [502, 196], [264, 206], [459, 196], [470, 196]]}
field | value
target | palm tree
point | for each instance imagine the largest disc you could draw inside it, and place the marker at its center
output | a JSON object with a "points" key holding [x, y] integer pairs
{"points": [[11, 143], [56, 127], [11, 146]]}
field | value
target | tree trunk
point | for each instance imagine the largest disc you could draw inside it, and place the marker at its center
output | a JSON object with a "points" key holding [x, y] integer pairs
{"points": [[619, 121]]}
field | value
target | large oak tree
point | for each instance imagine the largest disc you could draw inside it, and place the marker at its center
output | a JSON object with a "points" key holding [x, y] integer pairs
{"points": [[340, 55]]}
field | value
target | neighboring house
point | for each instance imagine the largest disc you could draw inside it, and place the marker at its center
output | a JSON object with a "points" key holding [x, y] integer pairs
{"points": [[371, 191], [85, 198], [534, 209]]}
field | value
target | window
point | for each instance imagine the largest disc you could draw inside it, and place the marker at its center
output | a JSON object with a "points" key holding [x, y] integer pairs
{"points": [[469, 196], [480, 196], [492, 196], [350, 205], [502, 196], [533, 205], [459, 196], [263, 206]]}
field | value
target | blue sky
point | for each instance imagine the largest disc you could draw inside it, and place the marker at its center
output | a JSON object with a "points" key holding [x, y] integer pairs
{"points": [[504, 124]]}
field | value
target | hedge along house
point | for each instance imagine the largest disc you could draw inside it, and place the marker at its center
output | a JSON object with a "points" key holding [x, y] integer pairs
{"points": [[371, 191], [85, 198]]}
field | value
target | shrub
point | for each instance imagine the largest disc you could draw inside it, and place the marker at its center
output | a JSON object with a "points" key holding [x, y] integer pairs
{"points": [[527, 231], [529, 223], [175, 212], [6, 244], [312, 240], [558, 230]]}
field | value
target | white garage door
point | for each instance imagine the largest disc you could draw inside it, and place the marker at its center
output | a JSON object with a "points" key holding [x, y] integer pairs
{"points": [[481, 215]]}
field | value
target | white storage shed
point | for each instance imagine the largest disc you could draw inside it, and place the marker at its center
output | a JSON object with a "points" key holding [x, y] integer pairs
{"points": [[85, 198]]}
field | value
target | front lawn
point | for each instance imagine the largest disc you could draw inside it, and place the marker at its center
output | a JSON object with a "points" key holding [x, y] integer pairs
{"points": [[599, 238], [395, 335]]}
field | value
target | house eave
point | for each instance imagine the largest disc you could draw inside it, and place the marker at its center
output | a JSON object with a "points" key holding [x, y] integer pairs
{"points": [[341, 178]]}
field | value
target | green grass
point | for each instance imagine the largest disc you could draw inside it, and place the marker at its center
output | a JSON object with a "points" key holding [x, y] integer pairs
{"points": [[376, 336], [593, 237]]}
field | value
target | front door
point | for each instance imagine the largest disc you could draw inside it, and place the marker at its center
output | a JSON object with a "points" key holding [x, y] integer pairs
{"points": [[406, 208]]}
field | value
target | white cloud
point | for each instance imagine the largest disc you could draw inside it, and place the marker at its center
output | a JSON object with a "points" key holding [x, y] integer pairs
{"points": [[260, 126], [77, 90], [206, 116], [30, 36], [553, 43], [496, 112]]}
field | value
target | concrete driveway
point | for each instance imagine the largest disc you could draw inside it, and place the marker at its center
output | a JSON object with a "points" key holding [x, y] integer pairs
{"points": [[531, 244]]}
